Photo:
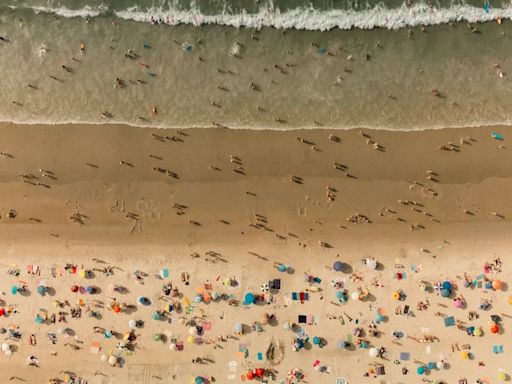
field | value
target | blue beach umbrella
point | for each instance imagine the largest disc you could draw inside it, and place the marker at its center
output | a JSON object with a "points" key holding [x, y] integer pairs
{"points": [[155, 316], [41, 290], [90, 289], [39, 320], [14, 289], [341, 344], [337, 266], [199, 298], [238, 327], [447, 285], [142, 300], [249, 298], [107, 334], [199, 380], [281, 268], [420, 370], [316, 340], [339, 294]]}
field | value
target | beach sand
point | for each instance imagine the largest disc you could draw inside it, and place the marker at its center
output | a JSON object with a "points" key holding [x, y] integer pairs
{"points": [[139, 218]]}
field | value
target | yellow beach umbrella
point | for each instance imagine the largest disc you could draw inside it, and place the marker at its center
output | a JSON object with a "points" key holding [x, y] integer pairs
{"points": [[502, 376], [396, 295], [464, 354], [190, 339], [82, 273]]}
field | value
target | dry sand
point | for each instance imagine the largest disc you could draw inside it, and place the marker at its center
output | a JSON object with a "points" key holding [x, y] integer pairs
{"points": [[447, 243]]}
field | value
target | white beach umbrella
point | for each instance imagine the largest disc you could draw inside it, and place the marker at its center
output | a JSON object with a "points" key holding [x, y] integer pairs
{"points": [[104, 358], [172, 346], [131, 324], [371, 263], [192, 331], [112, 360], [355, 295], [373, 352], [6, 347]]}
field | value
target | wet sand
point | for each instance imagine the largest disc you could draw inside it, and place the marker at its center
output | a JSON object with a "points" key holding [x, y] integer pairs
{"points": [[232, 192]]}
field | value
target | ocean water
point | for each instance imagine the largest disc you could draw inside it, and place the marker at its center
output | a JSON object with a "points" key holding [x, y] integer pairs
{"points": [[300, 14], [114, 66]]}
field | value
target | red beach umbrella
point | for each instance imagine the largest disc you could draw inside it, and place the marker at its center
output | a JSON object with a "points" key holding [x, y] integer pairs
{"points": [[74, 288], [2, 311], [250, 375], [260, 372]]}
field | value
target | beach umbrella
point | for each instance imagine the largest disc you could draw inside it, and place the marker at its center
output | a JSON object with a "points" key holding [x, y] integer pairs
{"points": [[488, 284], [371, 263], [445, 292], [2, 312], [464, 355], [207, 297], [396, 295], [132, 324], [339, 294], [440, 365], [447, 285], [420, 370], [192, 331], [142, 300], [74, 288], [198, 380], [157, 337], [458, 303], [495, 328], [264, 288], [287, 325], [41, 289], [14, 289], [497, 285], [373, 352], [431, 365], [90, 289], [249, 375], [238, 328], [281, 268], [478, 332], [215, 295], [259, 372], [502, 376], [39, 320], [172, 346], [5, 347], [337, 266], [316, 340], [82, 273], [112, 360], [117, 309], [199, 298], [249, 298], [60, 331], [341, 344], [107, 334], [104, 357], [355, 295], [155, 316]]}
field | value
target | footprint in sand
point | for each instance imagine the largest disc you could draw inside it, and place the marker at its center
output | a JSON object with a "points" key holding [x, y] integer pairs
{"points": [[303, 211]]}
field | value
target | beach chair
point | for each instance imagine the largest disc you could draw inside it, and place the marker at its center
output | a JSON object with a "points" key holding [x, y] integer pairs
{"points": [[497, 349], [164, 273], [295, 296], [30, 269], [260, 356]]}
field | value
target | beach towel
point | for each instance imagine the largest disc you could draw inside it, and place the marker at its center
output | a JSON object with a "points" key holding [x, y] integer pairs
{"points": [[405, 356], [302, 319], [310, 319], [449, 321], [95, 347], [317, 280], [497, 348], [316, 363], [164, 273], [275, 284], [30, 269], [301, 296], [207, 326], [54, 272], [295, 296], [260, 356]]}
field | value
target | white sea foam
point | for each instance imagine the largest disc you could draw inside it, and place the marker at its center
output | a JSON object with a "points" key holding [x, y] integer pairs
{"points": [[312, 19], [303, 18]]}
